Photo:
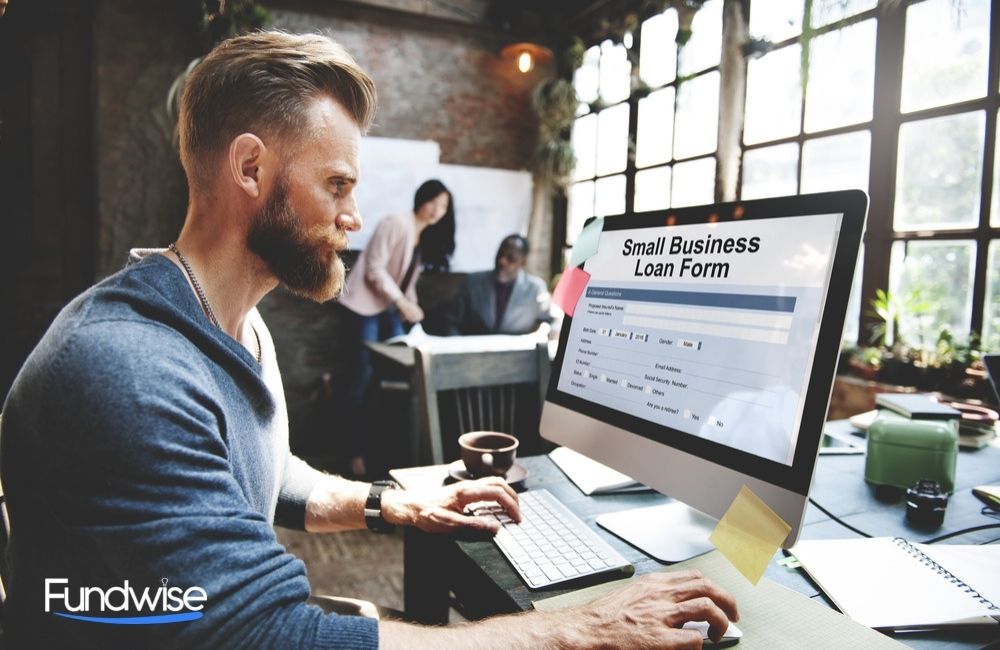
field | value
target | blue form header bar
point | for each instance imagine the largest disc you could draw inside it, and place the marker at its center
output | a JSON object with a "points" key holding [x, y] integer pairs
{"points": [[724, 300]]}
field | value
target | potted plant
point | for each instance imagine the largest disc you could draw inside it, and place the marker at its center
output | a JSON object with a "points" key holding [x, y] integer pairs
{"points": [[937, 361]]}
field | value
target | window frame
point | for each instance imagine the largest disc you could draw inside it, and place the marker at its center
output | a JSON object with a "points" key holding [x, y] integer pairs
{"points": [[883, 128], [638, 91], [888, 118]]}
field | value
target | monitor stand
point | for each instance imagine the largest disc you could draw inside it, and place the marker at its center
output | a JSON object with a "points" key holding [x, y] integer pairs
{"points": [[670, 533]]}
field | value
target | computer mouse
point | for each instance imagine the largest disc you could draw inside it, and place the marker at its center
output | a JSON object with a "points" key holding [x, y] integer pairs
{"points": [[730, 637]]}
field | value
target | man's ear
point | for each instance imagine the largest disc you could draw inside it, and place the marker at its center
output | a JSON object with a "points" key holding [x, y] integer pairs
{"points": [[246, 157]]}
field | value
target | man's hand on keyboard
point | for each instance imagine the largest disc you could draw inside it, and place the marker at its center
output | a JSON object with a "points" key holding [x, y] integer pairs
{"points": [[649, 612], [441, 510]]}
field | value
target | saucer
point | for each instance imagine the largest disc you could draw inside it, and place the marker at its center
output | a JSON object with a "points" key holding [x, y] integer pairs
{"points": [[457, 472]]}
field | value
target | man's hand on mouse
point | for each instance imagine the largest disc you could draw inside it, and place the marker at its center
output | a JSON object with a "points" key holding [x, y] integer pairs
{"points": [[442, 509], [650, 612]]}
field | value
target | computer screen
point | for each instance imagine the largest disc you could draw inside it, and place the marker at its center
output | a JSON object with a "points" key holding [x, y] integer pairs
{"points": [[701, 353]]}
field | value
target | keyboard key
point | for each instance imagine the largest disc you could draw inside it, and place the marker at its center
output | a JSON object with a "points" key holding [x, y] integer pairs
{"points": [[551, 572]]}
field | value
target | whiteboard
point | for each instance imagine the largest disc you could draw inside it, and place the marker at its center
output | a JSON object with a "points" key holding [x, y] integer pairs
{"points": [[391, 171], [489, 203]]}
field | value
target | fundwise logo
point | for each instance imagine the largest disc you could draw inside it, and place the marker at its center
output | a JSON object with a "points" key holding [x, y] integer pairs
{"points": [[151, 606]]}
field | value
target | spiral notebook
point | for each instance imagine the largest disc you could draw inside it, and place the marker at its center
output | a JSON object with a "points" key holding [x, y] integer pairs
{"points": [[890, 583]]}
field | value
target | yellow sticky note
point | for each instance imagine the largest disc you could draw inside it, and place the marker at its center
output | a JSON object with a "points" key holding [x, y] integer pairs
{"points": [[749, 534]]}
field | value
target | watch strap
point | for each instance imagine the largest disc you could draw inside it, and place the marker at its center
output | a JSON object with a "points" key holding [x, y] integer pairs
{"points": [[373, 507]]}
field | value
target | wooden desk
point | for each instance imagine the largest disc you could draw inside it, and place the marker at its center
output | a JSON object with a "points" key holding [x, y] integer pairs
{"points": [[485, 584]]}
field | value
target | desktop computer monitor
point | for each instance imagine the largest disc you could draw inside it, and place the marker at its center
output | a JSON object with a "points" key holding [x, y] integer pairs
{"points": [[701, 354]]}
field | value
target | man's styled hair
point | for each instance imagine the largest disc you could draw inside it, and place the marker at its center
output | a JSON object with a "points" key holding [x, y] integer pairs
{"points": [[262, 83]]}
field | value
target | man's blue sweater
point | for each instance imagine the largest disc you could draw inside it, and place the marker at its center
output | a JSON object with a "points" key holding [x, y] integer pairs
{"points": [[142, 444]]}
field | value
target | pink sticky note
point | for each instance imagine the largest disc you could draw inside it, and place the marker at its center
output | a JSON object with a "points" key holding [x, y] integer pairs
{"points": [[571, 285]]}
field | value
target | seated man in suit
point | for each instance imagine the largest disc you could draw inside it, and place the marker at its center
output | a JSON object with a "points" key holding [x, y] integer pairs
{"points": [[506, 300]]}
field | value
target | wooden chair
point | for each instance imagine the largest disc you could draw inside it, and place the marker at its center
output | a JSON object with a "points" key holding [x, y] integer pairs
{"points": [[478, 391]]}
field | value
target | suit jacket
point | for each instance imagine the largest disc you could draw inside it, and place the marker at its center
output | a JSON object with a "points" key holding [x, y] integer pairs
{"points": [[474, 310]]}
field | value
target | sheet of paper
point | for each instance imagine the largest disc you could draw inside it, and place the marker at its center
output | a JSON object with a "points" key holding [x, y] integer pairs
{"points": [[771, 616], [976, 565], [587, 242], [570, 287], [749, 534], [476, 343]]}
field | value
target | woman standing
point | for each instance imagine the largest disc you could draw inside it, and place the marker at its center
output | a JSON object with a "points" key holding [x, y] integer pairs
{"points": [[381, 291]]}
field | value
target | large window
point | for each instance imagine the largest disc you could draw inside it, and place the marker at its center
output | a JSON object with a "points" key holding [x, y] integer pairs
{"points": [[810, 104], [645, 136], [917, 140], [942, 231], [901, 101]]}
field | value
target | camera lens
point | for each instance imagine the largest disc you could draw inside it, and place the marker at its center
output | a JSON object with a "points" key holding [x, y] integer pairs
{"points": [[925, 504]]}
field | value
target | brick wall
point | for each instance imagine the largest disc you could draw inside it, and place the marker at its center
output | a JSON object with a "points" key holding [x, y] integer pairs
{"points": [[436, 82], [139, 49]]}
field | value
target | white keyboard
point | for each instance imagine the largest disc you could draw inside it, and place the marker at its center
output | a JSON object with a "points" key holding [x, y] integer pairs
{"points": [[551, 544]]}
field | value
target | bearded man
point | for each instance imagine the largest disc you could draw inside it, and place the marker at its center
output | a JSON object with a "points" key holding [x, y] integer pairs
{"points": [[145, 441]]}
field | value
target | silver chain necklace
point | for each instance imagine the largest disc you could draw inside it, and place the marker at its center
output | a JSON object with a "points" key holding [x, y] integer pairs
{"points": [[203, 299]]}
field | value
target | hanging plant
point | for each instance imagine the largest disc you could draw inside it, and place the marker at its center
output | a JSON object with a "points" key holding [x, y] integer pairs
{"points": [[554, 161], [615, 27], [572, 56], [221, 19], [555, 102]]}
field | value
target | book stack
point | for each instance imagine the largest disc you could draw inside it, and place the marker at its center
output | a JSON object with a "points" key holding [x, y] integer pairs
{"points": [[977, 428]]}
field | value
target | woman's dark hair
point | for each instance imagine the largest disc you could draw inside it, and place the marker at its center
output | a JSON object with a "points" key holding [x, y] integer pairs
{"points": [[437, 242]]}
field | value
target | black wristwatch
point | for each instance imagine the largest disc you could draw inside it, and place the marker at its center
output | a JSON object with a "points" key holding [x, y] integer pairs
{"points": [[373, 507]]}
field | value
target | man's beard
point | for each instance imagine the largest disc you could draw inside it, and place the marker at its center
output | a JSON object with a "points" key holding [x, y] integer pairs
{"points": [[304, 260]]}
